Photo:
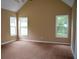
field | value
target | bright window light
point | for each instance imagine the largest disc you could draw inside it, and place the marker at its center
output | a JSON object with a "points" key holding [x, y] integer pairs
{"points": [[62, 26], [23, 26], [13, 26]]}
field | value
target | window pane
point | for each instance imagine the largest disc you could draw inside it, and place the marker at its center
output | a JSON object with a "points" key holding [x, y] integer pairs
{"points": [[62, 26], [23, 21], [13, 31], [12, 21], [24, 31], [23, 24]]}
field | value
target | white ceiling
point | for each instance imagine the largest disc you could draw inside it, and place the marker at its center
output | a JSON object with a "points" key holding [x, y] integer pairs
{"points": [[15, 5], [12, 5], [69, 2]]}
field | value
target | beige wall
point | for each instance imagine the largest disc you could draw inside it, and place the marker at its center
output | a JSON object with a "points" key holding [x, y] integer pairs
{"points": [[41, 15], [5, 25]]}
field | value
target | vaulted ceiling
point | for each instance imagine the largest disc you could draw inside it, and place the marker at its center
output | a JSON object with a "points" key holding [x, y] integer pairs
{"points": [[69, 2], [15, 5], [12, 5]]}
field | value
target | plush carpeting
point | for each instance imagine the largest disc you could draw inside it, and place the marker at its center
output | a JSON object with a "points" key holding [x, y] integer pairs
{"points": [[30, 50]]}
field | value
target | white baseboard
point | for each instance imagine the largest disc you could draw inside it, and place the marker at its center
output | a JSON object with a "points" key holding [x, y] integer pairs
{"points": [[37, 41], [8, 42], [48, 42]]}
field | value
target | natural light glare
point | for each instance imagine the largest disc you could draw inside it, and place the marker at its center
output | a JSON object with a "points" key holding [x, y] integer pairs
{"points": [[65, 25], [62, 26], [23, 26], [13, 26]]}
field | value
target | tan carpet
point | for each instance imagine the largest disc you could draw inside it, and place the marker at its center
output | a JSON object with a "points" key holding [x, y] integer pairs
{"points": [[30, 50]]}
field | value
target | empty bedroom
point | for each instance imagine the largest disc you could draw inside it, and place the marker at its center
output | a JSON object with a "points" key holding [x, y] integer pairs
{"points": [[38, 29]]}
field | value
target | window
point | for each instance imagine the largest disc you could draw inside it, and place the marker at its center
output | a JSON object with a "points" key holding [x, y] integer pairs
{"points": [[13, 26], [62, 26], [23, 26]]}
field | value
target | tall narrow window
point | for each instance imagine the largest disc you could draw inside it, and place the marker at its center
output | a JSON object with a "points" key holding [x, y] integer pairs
{"points": [[13, 26], [62, 26], [23, 26]]}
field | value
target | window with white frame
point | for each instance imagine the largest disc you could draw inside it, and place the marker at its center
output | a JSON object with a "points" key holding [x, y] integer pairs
{"points": [[62, 26], [23, 26], [13, 26]]}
